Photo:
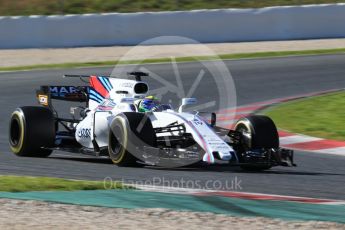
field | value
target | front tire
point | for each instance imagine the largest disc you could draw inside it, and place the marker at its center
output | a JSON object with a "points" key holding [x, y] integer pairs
{"points": [[125, 136], [258, 132], [31, 129]]}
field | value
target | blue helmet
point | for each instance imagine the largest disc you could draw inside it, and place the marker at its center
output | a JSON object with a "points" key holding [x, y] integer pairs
{"points": [[148, 103]]}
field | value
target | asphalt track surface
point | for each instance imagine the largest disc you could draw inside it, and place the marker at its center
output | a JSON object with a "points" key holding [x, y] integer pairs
{"points": [[317, 175]]}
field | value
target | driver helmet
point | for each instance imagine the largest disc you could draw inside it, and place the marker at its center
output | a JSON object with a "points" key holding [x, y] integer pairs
{"points": [[148, 103]]}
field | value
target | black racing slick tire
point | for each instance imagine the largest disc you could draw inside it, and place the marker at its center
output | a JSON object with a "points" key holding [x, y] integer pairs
{"points": [[32, 129], [258, 132], [128, 131]]}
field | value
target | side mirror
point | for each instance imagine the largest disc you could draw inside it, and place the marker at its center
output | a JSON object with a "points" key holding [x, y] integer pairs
{"points": [[187, 101]]}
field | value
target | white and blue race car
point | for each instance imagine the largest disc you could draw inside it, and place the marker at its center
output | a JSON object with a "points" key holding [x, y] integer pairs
{"points": [[111, 125]]}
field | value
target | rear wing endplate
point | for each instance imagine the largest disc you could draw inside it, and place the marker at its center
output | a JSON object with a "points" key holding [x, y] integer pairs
{"points": [[66, 93]]}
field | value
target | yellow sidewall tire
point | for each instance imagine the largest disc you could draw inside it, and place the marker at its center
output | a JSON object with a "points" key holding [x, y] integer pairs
{"points": [[246, 124], [16, 149], [32, 131], [125, 141]]}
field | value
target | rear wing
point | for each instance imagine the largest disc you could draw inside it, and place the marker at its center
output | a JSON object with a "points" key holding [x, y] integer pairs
{"points": [[136, 74], [99, 88], [66, 93]]}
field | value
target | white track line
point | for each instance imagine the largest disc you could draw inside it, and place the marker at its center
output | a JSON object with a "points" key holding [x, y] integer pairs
{"points": [[297, 139], [190, 191], [335, 151]]}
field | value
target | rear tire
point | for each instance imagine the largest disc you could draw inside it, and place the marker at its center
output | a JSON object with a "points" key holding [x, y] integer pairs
{"points": [[31, 129], [258, 132], [125, 134]]}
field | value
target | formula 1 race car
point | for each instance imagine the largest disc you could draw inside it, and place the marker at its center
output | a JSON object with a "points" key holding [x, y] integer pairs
{"points": [[110, 125]]}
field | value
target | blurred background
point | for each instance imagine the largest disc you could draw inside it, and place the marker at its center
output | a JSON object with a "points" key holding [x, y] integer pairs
{"points": [[44, 7]]}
